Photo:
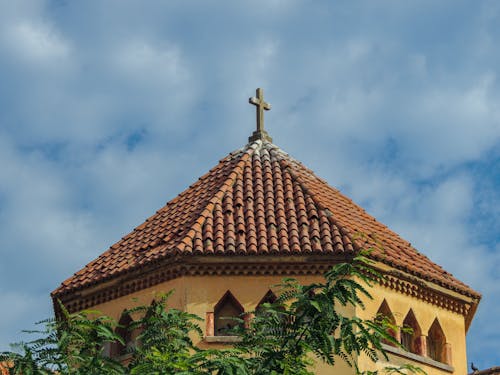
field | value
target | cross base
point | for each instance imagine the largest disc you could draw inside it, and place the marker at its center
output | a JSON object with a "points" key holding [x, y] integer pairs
{"points": [[260, 135]]}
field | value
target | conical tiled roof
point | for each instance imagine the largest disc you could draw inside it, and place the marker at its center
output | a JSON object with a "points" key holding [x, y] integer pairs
{"points": [[258, 201]]}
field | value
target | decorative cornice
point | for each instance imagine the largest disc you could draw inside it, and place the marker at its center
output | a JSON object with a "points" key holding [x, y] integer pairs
{"points": [[257, 202], [207, 266], [425, 294]]}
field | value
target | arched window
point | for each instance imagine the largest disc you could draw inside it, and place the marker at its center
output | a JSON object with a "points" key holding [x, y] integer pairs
{"points": [[411, 334], [436, 342], [123, 330], [269, 297], [228, 307], [385, 313], [139, 330]]}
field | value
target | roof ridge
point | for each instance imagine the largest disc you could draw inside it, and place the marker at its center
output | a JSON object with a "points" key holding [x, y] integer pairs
{"points": [[342, 227], [239, 153], [180, 247], [331, 218], [308, 191], [259, 200], [368, 238]]}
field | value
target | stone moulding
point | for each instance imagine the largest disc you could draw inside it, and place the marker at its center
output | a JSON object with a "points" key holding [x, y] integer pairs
{"points": [[418, 358], [280, 266]]}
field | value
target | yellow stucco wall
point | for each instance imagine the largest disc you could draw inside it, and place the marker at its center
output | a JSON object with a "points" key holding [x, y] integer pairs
{"points": [[453, 325], [199, 295], [115, 307]]}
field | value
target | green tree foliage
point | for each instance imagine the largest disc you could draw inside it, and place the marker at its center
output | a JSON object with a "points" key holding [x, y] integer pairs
{"points": [[71, 345], [165, 344], [308, 319], [284, 337]]}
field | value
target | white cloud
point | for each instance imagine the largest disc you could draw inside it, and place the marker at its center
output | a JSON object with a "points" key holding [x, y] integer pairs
{"points": [[456, 125], [36, 43], [392, 115], [145, 63], [40, 218]]}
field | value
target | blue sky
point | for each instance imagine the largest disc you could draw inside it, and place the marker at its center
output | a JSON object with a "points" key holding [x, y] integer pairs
{"points": [[110, 109]]}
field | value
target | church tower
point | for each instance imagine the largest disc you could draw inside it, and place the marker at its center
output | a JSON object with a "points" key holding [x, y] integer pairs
{"points": [[256, 217]]}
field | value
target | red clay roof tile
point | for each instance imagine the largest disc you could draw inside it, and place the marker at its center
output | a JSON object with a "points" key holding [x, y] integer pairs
{"points": [[257, 201]]}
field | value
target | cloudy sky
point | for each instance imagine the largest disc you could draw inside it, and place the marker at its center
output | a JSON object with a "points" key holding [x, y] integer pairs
{"points": [[108, 109]]}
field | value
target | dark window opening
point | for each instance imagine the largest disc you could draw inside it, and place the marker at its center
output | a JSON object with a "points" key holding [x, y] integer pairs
{"points": [[436, 342], [123, 330], [269, 297], [384, 313], [227, 308], [411, 334]]}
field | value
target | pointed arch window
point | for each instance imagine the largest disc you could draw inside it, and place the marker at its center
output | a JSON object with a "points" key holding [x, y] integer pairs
{"points": [[436, 343], [384, 312], [411, 334], [227, 308], [123, 330], [139, 330], [269, 297]]}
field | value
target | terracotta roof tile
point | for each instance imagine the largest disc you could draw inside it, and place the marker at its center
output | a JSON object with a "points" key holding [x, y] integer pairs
{"points": [[258, 200]]}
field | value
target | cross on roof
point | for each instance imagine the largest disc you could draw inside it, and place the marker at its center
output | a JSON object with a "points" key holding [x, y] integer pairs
{"points": [[261, 106]]}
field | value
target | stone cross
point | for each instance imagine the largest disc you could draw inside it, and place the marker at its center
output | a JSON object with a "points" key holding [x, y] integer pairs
{"points": [[261, 106]]}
